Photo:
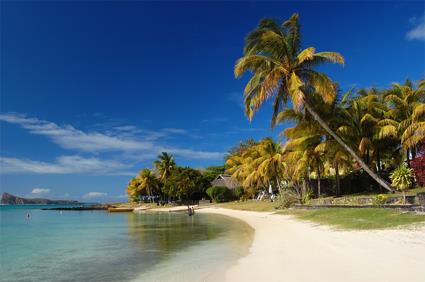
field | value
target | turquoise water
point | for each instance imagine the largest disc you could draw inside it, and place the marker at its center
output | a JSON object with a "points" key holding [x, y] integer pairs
{"points": [[102, 246]]}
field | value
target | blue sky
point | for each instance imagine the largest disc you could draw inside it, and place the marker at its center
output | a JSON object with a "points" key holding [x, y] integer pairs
{"points": [[92, 91]]}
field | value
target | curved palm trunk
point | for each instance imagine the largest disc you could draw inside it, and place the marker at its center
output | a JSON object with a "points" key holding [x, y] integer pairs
{"points": [[376, 177]]}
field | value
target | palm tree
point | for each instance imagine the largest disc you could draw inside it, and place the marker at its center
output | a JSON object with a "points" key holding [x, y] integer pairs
{"points": [[269, 161], [164, 166], [132, 189], [147, 182], [405, 119], [283, 71]]}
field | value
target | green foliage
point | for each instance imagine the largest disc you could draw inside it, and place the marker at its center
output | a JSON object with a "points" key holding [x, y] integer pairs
{"points": [[184, 183], [307, 196], [286, 199], [164, 165], [239, 192], [220, 194], [380, 199], [212, 172], [402, 178]]}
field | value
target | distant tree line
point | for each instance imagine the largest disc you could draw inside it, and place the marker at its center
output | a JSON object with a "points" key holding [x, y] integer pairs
{"points": [[168, 182]]}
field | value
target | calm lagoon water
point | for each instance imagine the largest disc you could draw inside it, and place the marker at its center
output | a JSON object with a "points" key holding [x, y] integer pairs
{"points": [[102, 246]]}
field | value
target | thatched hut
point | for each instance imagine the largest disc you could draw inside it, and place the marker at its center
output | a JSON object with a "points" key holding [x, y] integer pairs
{"points": [[226, 181]]}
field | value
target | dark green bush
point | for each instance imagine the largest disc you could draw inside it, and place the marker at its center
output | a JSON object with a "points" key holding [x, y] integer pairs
{"points": [[239, 192], [220, 194]]}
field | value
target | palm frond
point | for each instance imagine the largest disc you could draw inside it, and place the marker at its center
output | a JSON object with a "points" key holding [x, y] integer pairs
{"points": [[418, 112]]}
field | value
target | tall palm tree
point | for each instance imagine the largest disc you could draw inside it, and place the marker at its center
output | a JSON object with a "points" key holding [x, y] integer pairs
{"points": [[147, 182], [164, 166], [281, 69], [405, 119]]}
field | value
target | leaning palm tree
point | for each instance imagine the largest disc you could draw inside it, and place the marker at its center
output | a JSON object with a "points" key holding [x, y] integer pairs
{"points": [[164, 166], [281, 69]]}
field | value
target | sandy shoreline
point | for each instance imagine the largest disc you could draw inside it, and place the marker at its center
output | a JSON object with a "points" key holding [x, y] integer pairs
{"points": [[285, 249]]}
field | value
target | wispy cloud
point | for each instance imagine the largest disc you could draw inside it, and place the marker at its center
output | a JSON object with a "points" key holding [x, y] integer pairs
{"points": [[418, 31], [40, 191], [63, 165], [92, 195], [175, 130], [69, 137], [119, 139], [194, 154]]}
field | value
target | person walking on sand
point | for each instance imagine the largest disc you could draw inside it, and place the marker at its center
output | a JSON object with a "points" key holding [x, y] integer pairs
{"points": [[189, 211]]}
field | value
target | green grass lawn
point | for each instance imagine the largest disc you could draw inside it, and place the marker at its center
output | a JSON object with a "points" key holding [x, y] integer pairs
{"points": [[357, 219], [249, 205]]}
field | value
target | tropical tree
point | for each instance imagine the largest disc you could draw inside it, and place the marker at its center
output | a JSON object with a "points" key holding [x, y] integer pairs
{"points": [[405, 119], [258, 165], [270, 161], [281, 69], [184, 183], [148, 182], [402, 179], [212, 172], [164, 166], [132, 190]]}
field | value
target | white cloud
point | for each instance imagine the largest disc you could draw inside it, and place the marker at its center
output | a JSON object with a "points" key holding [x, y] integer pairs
{"points": [[118, 140], [194, 154], [40, 191], [175, 130], [70, 138], [418, 32], [92, 195], [63, 165]]}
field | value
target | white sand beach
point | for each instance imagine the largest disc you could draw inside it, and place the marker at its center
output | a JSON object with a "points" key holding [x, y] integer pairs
{"points": [[285, 249]]}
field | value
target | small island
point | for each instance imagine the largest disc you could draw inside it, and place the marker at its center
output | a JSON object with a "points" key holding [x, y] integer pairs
{"points": [[9, 199]]}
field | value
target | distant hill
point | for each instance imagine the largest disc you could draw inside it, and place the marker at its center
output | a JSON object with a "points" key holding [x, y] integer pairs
{"points": [[9, 199]]}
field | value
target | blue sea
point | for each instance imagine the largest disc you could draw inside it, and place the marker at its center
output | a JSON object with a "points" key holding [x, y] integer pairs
{"points": [[102, 246]]}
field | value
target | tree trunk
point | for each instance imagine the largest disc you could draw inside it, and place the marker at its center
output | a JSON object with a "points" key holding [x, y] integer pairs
{"points": [[378, 160], [338, 189], [318, 182], [376, 177]]}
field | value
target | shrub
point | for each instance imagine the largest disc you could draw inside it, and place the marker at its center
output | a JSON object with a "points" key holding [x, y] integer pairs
{"points": [[380, 199], [307, 196], [220, 194], [239, 192], [402, 179], [286, 199]]}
